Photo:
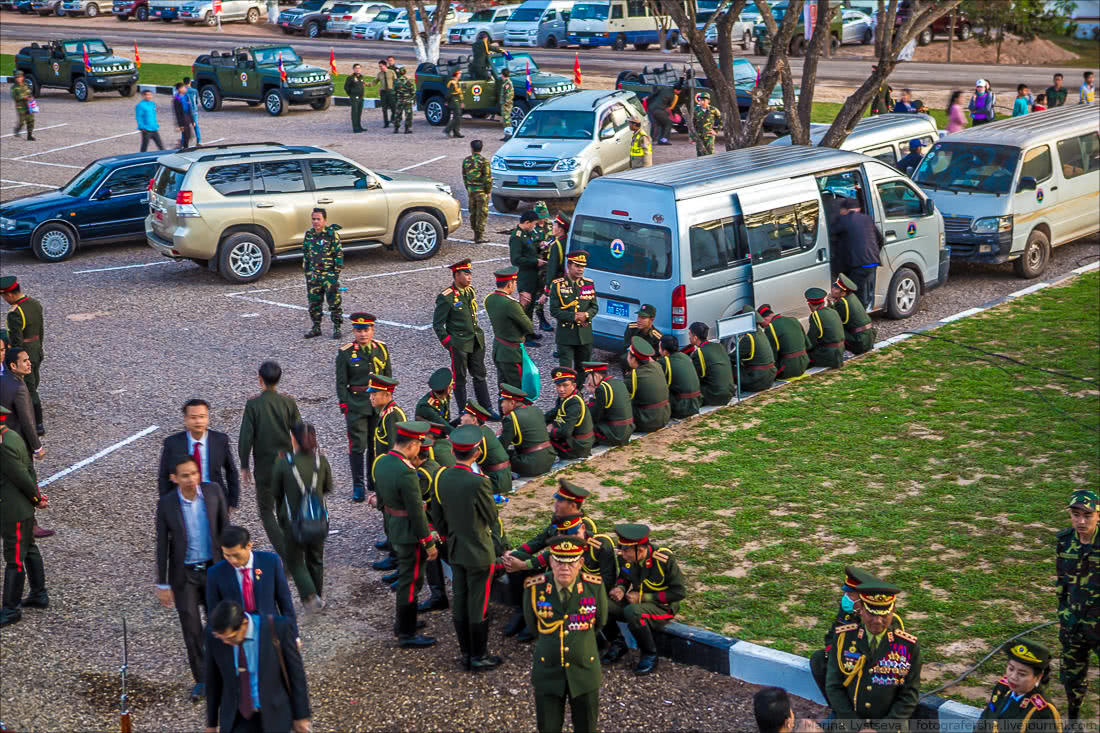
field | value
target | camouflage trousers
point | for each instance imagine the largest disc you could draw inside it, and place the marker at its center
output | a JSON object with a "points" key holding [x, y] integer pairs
{"points": [[319, 289], [479, 213], [403, 109], [1077, 647], [704, 145], [25, 118], [506, 114]]}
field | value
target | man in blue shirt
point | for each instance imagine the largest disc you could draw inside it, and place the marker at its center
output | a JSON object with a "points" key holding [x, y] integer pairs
{"points": [[146, 113], [909, 163]]}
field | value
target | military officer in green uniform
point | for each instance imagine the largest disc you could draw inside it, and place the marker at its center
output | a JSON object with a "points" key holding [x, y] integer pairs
{"points": [[405, 93], [642, 326], [494, 461], [323, 260], [442, 449], [355, 362], [567, 608], [707, 121], [506, 98], [468, 520], [480, 49], [511, 327], [859, 333], [19, 497], [873, 674], [523, 433], [477, 177], [648, 388], [685, 394], [21, 94], [27, 329], [545, 235], [646, 595], [712, 364], [265, 433], [426, 468], [569, 422], [757, 360], [1017, 702], [1078, 597], [435, 407], [523, 251], [555, 253], [454, 105], [354, 87], [573, 305], [612, 412], [847, 613], [825, 335], [788, 341], [398, 496], [380, 393], [599, 555], [456, 327]]}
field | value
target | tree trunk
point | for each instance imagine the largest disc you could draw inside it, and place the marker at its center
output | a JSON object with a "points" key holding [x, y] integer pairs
{"points": [[731, 125], [781, 35], [802, 110], [428, 43], [951, 34]]}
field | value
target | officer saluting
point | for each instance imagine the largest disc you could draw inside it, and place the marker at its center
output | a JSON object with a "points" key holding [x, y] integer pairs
{"points": [[455, 324], [573, 305], [355, 362]]}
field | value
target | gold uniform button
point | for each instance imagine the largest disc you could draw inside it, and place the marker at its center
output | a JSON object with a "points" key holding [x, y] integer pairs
{"points": [[543, 659], [866, 704], [868, 688], [565, 649], [567, 664]]}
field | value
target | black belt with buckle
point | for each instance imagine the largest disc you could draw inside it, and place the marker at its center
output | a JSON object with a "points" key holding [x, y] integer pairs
{"points": [[199, 566]]}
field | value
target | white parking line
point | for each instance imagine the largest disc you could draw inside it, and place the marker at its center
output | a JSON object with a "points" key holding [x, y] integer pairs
{"points": [[40, 129], [42, 162], [417, 165], [24, 183], [470, 241], [123, 267], [295, 306], [76, 145], [97, 456]]}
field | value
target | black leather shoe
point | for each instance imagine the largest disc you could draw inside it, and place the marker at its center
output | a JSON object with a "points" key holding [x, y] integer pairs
{"points": [[646, 664], [386, 563], [393, 586], [31, 138], [391, 577], [481, 664], [415, 642], [514, 624], [198, 692], [614, 653], [435, 603], [10, 616], [37, 600]]}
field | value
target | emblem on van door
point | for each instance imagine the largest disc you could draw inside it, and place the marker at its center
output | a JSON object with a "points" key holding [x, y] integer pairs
{"points": [[911, 230], [1039, 195], [616, 285]]}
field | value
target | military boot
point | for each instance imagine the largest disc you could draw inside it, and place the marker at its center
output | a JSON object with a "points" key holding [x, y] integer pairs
{"points": [[392, 577], [383, 545], [648, 647], [462, 633], [36, 575], [13, 593], [314, 332], [433, 573], [407, 637], [616, 644], [480, 658], [386, 563], [336, 331], [544, 324], [358, 488]]}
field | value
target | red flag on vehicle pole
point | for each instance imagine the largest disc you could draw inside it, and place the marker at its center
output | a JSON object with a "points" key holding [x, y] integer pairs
{"points": [[577, 69], [332, 60], [217, 7], [87, 63], [282, 71], [137, 56]]}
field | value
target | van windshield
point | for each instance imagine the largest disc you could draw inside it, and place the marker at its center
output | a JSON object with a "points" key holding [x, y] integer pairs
{"points": [[624, 247], [526, 15], [589, 11], [966, 166]]}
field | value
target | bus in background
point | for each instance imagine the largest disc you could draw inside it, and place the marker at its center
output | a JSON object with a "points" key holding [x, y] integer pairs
{"points": [[617, 23]]}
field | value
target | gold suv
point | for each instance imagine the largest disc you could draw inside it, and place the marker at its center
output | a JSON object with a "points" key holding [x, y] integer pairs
{"points": [[235, 208]]}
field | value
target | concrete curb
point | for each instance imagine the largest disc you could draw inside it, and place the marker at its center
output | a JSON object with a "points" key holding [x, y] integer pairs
{"points": [[369, 103]]}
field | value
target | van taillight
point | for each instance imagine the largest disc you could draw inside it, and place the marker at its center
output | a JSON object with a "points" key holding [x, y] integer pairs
{"points": [[184, 197], [679, 307]]}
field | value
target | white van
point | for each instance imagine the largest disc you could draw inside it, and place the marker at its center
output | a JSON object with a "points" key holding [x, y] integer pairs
{"points": [[885, 137], [489, 20], [539, 23], [1011, 190], [701, 238]]}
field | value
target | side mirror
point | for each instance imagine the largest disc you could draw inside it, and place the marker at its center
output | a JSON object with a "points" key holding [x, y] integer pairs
{"points": [[104, 194], [607, 133], [1027, 183], [928, 207]]}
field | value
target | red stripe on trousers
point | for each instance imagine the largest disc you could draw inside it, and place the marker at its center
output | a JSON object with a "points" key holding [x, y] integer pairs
{"points": [[488, 585], [655, 617], [18, 541], [416, 574]]}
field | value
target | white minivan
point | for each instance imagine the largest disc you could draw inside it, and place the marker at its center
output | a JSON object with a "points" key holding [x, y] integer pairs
{"points": [[1013, 189], [540, 23], [885, 137]]}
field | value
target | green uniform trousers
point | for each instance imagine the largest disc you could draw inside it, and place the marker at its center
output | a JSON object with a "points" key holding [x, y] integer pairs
{"points": [[265, 504], [360, 429], [471, 363], [471, 593], [509, 372], [757, 380], [321, 289], [1077, 648], [411, 561], [404, 110], [550, 711], [305, 563], [357, 114], [25, 118], [454, 124], [19, 545], [573, 355], [704, 146], [639, 614], [388, 98]]}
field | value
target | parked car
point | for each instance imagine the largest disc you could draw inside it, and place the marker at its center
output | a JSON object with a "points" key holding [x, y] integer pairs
{"points": [[373, 29], [252, 74], [799, 40], [165, 10], [884, 137], [488, 20], [136, 9], [542, 23], [740, 34], [401, 28], [343, 16], [60, 64], [236, 208], [105, 202], [53, 7], [857, 27], [193, 12], [308, 18], [941, 26]]}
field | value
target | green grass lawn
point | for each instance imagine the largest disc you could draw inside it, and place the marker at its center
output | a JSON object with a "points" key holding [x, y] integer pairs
{"points": [[1087, 50], [923, 463]]}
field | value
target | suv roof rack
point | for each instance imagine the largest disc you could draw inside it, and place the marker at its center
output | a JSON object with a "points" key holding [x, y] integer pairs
{"points": [[279, 148], [602, 97]]}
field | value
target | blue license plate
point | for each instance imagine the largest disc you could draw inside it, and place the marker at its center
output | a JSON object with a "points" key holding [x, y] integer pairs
{"points": [[618, 308], [528, 180], [586, 41]]}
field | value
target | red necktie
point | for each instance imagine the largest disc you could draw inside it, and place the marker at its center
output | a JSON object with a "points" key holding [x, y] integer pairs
{"points": [[244, 704], [246, 591], [197, 455]]}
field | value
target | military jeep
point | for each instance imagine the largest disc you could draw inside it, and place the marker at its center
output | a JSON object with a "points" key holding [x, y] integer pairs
{"points": [[252, 74], [60, 65]]}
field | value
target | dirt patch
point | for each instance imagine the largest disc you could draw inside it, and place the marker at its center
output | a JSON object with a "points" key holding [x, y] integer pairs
{"points": [[1014, 50]]}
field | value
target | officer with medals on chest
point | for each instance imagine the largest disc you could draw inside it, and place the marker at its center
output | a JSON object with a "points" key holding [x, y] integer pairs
{"points": [[573, 305], [846, 614], [355, 362]]}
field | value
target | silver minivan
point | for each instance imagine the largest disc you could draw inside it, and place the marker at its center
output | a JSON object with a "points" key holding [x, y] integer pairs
{"points": [[1011, 190], [538, 23], [701, 238], [885, 137]]}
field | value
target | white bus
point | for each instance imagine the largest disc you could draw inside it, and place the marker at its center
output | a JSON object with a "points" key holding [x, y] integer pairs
{"points": [[617, 23]]}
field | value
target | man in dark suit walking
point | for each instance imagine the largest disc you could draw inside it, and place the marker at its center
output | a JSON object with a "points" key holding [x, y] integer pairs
{"points": [[189, 522], [16, 396], [254, 580], [257, 680], [209, 448]]}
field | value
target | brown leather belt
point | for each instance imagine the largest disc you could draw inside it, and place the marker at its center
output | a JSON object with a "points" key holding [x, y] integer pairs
{"points": [[358, 388], [862, 328], [656, 405], [793, 354], [30, 339], [496, 466], [833, 345], [395, 512], [535, 448], [689, 395], [507, 343], [759, 367], [624, 421]]}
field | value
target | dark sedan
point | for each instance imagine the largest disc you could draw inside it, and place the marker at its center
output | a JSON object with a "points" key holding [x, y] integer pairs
{"points": [[106, 202]]}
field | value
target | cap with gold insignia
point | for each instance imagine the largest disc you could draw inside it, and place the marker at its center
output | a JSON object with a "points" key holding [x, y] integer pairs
{"points": [[506, 274], [437, 429], [631, 535], [878, 597], [854, 578], [568, 523], [641, 349], [460, 266], [566, 549], [412, 429], [563, 374], [382, 383], [569, 491], [1085, 499], [474, 408], [1031, 653], [765, 311], [509, 392], [361, 320], [562, 222], [599, 367], [8, 284], [579, 257], [843, 282], [440, 380], [647, 311], [541, 209], [466, 437], [815, 296]]}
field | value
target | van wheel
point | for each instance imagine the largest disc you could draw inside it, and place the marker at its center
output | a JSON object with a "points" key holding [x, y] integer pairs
{"points": [[275, 103], [903, 296], [1033, 262], [619, 43], [321, 104], [54, 243], [210, 98], [243, 257], [253, 16], [435, 112], [551, 42], [127, 91], [82, 90], [504, 205], [419, 236], [868, 37], [925, 37]]}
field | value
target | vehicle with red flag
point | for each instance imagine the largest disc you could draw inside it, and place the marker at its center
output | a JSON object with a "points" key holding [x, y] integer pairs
{"points": [[83, 66], [274, 76]]}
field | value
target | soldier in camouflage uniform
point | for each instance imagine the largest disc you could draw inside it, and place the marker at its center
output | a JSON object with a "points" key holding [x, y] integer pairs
{"points": [[507, 97], [1078, 597], [322, 260], [477, 176], [405, 91], [454, 103], [707, 122], [21, 93]]}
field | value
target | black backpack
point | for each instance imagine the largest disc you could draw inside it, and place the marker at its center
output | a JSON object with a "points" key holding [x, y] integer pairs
{"points": [[309, 525]]}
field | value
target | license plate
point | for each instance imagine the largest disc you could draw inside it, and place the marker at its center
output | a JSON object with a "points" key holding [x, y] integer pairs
{"points": [[585, 41], [394, 35], [528, 180], [618, 308]]}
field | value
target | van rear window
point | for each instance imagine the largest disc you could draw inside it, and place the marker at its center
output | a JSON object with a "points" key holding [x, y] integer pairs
{"points": [[624, 247]]}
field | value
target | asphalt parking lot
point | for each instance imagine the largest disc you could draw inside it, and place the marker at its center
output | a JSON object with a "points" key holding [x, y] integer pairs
{"points": [[131, 335]]}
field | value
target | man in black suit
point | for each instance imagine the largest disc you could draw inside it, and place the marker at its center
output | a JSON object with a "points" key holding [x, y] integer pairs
{"points": [[15, 396], [262, 647], [209, 448], [189, 522], [254, 580]]}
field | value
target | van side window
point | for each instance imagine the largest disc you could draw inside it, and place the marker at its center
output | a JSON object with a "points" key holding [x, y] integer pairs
{"points": [[1079, 155], [717, 245], [636, 8], [781, 232], [616, 12], [1037, 163], [886, 154], [1090, 149], [899, 200]]}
